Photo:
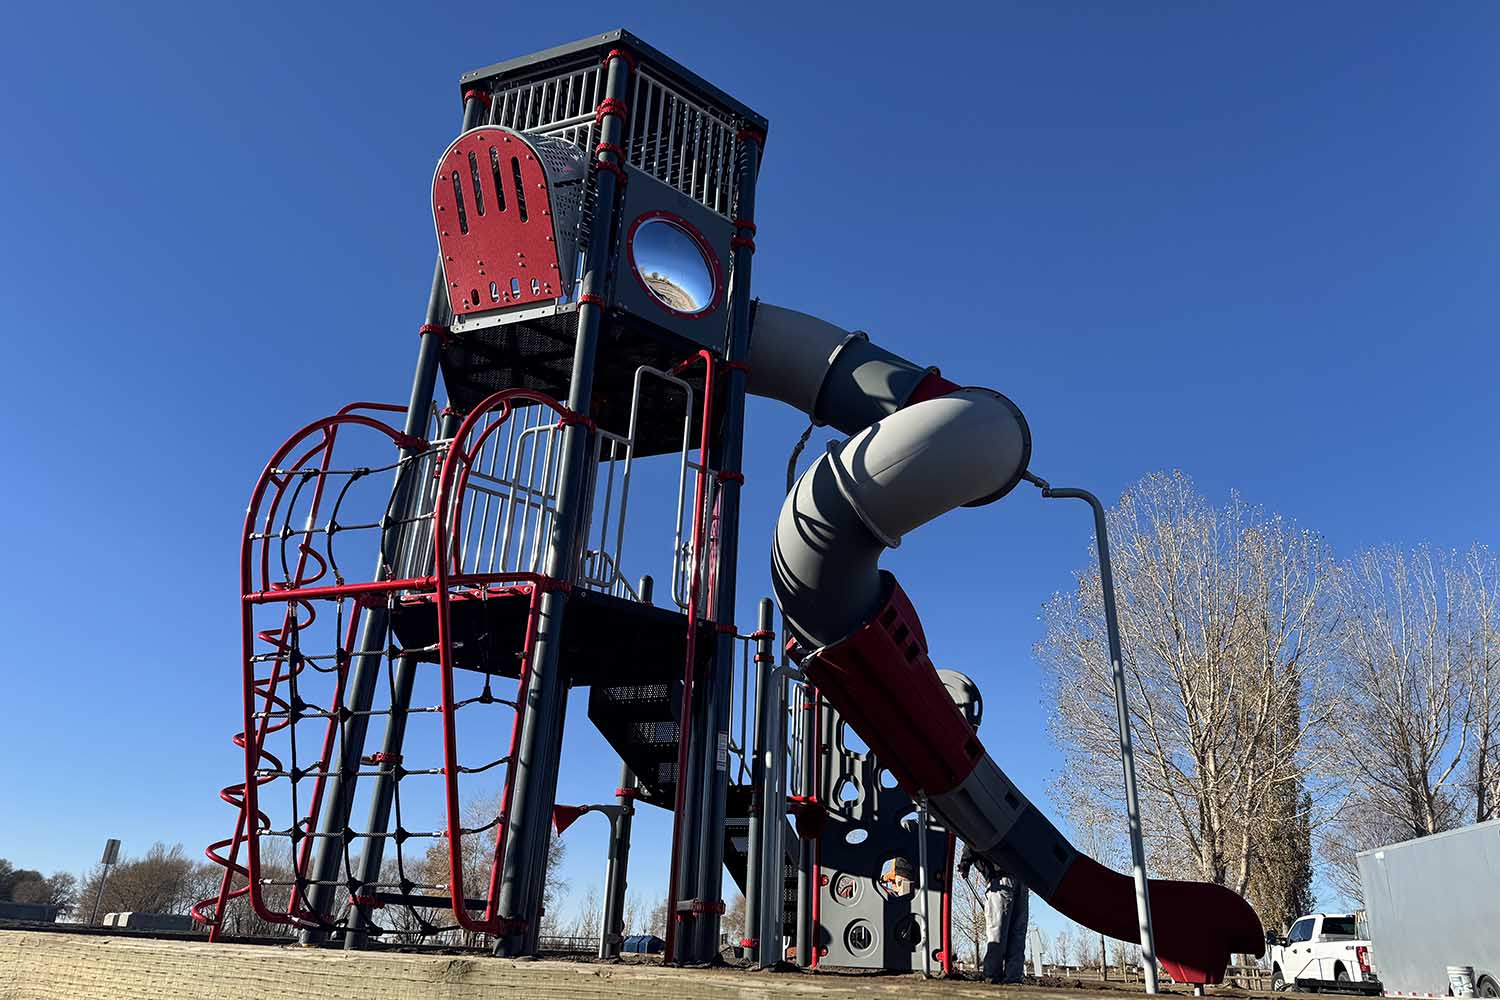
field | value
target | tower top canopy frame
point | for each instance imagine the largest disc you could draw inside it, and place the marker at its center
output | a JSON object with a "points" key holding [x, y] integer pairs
{"points": [[572, 53]]}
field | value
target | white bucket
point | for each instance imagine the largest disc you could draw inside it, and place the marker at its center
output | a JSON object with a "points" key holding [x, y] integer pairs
{"points": [[1461, 980]]}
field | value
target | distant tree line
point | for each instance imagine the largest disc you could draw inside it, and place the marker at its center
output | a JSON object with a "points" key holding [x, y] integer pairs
{"points": [[1289, 708], [26, 885]]}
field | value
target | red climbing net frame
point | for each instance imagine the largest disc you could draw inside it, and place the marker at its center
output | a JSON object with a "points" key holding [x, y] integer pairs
{"points": [[301, 614]]}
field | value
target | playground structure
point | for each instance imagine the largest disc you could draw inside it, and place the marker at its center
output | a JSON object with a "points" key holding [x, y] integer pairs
{"points": [[593, 326]]}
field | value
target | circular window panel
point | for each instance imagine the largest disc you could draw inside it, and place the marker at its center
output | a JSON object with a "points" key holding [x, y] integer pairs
{"points": [[673, 263]]}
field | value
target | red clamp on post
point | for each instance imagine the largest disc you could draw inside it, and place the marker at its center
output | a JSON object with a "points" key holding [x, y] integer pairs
{"points": [[627, 793], [744, 224], [370, 902], [381, 757], [724, 628], [410, 442], [609, 147], [749, 943], [443, 332], [727, 476], [761, 634], [698, 907], [610, 166], [736, 242], [476, 94], [625, 54], [590, 299], [610, 106], [370, 602]]}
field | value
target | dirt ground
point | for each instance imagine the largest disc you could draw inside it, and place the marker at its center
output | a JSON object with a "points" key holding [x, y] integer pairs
{"points": [[37, 965]]}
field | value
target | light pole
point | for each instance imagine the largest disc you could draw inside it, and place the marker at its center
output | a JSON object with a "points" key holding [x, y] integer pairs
{"points": [[1122, 713], [111, 855]]}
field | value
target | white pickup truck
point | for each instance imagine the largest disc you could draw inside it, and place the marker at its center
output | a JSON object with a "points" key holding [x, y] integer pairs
{"points": [[1322, 951]]}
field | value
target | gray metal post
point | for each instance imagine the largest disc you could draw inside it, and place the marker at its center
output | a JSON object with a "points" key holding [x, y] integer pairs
{"points": [[756, 861], [703, 929], [1122, 714], [807, 755], [99, 896], [922, 885], [534, 766], [773, 823], [370, 644], [617, 871]]}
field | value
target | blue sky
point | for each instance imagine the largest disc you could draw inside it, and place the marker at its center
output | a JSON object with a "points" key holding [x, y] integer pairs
{"points": [[1253, 241]]}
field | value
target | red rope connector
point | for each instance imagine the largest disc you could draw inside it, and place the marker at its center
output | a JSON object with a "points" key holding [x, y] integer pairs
{"points": [[763, 633], [610, 106], [627, 793], [625, 54], [751, 135], [725, 628], [444, 333], [476, 94], [745, 224], [381, 757], [590, 299], [726, 476], [369, 901], [735, 242], [609, 147], [764, 658]]}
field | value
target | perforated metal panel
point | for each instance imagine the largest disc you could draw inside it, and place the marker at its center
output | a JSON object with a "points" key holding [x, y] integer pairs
{"points": [[507, 207]]}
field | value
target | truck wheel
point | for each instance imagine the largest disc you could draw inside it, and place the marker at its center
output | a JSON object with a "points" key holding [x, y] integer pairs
{"points": [[1277, 982], [1487, 987], [1340, 974]]}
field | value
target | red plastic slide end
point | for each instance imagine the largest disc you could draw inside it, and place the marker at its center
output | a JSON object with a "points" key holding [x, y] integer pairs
{"points": [[932, 386], [882, 682], [1199, 925]]}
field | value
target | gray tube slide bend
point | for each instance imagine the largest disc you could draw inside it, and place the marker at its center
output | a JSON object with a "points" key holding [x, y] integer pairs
{"points": [[920, 446]]}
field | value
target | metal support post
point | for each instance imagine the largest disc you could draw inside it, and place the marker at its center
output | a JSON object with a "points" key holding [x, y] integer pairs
{"points": [[773, 822], [1122, 714], [535, 764], [758, 864], [370, 645], [617, 871], [922, 884], [703, 928], [807, 698]]}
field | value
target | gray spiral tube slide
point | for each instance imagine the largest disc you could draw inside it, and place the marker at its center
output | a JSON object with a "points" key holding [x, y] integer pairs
{"points": [[919, 447]]}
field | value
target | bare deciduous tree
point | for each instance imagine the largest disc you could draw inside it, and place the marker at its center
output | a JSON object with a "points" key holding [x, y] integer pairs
{"points": [[1226, 626], [1418, 748], [968, 912], [1403, 669]]}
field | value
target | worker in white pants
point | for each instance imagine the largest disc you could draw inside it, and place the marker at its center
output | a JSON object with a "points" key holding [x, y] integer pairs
{"points": [[1006, 901]]}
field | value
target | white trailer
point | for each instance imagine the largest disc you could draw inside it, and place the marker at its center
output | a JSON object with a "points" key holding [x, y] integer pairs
{"points": [[1432, 903]]}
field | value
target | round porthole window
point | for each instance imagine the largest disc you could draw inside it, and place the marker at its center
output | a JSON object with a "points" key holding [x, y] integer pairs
{"points": [[672, 262]]}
